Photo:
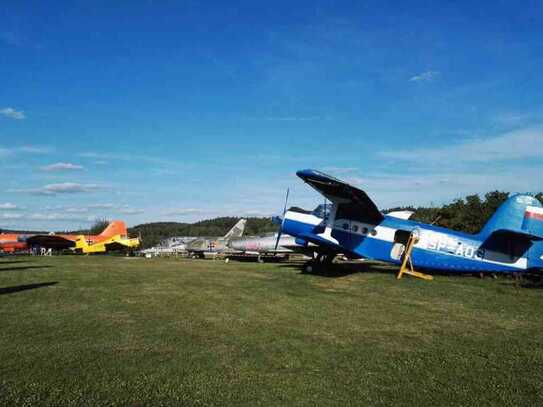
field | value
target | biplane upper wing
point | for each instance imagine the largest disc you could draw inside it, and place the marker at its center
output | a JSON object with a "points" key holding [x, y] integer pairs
{"points": [[352, 201]]}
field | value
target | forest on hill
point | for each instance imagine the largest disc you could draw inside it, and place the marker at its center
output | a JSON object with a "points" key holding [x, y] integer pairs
{"points": [[465, 215]]}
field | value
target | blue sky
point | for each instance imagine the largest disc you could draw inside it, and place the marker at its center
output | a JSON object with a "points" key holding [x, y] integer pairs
{"points": [[170, 110]]}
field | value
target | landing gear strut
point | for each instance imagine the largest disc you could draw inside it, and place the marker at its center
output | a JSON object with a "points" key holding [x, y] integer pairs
{"points": [[319, 261]]}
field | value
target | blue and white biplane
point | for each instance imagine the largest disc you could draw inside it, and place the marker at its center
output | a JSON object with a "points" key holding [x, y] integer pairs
{"points": [[511, 241]]}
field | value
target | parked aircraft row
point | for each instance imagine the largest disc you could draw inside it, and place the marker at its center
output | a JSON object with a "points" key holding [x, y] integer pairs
{"points": [[351, 225], [113, 237], [233, 243]]}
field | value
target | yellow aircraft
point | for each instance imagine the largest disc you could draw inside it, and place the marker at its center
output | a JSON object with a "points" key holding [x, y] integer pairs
{"points": [[114, 237]]}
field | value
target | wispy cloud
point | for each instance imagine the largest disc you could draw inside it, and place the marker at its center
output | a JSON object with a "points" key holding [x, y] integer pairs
{"points": [[34, 149], [76, 210], [28, 149], [106, 158], [425, 76], [109, 207], [57, 167], [184, 211], [443, 185], [58, 216], [131, 211], [340, 170], [8, 206], [61, 188], [515, 145], [12, 113], [11, 216], [102, 206]]}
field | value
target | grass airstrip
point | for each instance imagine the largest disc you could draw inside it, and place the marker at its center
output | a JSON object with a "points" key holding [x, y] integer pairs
{"points": [[103, 330]]}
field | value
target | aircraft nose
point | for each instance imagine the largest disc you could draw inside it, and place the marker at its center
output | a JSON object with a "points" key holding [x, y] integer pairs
{"points": [[277, 220]]}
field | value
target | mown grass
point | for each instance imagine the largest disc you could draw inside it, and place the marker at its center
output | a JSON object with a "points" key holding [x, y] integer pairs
{"points": [[82, 330]]}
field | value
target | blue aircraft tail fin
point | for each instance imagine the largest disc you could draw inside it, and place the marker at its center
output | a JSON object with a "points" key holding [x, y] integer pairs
{"points": [[533, 221], [520, 215]]}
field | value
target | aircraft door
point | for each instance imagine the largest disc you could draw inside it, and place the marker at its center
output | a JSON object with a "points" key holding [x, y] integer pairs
{"points": [[400, 241]]}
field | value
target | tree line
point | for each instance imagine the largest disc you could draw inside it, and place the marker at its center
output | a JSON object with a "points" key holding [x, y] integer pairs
{"points": [[468, 215]]}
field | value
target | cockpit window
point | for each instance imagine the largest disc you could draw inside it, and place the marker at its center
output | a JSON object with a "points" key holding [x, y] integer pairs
{"points": [[322, 211]]}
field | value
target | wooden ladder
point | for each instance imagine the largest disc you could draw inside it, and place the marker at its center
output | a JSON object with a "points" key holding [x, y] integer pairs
{"points": [[407, 263]]}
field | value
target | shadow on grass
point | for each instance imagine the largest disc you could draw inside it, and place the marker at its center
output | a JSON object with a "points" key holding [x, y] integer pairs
{"points": [[342, 269], [254, 259], [12, 262], [19, 288], [530, 280], [336, 270], [22, 268]]}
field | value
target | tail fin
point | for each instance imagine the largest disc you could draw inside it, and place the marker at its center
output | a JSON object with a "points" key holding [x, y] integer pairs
{"points": [[237, 230], [117, 227], [533, 221], [521, 214]]}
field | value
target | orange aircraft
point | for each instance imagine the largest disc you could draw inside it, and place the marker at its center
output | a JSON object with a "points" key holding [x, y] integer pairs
{"points": [[12, 242], [114, 236]]}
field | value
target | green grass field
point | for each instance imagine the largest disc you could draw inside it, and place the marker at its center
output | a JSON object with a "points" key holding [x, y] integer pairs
{"points": [[104, 330]]}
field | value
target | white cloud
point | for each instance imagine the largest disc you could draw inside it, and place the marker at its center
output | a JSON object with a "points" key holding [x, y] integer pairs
{"points": [[107, 158], [68, 188], [60, 188], [12, 113], [34, 150], [515, 145], [11, 216], [8, 206], [425, 76], [58, 216], [9, 151], [184, 211], [60, 166], [443, 185], [340, 170], [76, 210], [102, 206], [131, 211]]}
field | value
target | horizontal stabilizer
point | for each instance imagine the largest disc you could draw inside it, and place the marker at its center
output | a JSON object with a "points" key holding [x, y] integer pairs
{"points": [[513, 235]]}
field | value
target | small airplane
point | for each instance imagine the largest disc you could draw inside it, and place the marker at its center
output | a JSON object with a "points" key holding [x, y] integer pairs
{"points": [[169, 246], [263, 246], [113, 237], [13, 242], [199, 247], [510, 242]]}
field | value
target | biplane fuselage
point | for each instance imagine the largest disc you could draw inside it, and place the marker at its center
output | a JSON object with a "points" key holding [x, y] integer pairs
{"points": [[510, 242]]}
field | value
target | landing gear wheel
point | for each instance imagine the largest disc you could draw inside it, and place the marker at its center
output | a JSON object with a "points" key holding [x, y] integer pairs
{"points": [[309, 267]]}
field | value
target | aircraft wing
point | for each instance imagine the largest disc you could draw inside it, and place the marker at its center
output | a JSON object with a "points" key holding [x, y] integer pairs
{"points": [[350, 198], [50, 241]]}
